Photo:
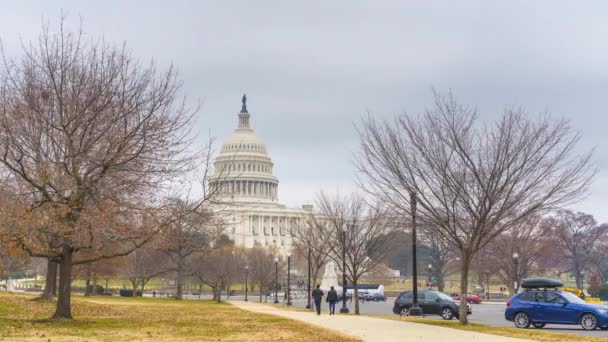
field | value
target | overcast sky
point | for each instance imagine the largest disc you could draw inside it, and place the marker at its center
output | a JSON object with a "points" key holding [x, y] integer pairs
{"points": [[313, 68]]}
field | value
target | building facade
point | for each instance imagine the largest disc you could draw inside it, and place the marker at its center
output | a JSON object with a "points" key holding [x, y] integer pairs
{"points": [[243, 174]]}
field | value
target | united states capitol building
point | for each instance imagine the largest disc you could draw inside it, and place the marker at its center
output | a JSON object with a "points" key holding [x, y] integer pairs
{"points": [[243, 174]]}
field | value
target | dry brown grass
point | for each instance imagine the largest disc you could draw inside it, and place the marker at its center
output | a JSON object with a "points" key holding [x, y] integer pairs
{"points": [[144, 319]]}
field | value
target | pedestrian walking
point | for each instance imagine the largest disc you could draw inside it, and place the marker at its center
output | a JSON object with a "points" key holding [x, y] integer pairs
{"points": [[332, 298], [317, 295]]}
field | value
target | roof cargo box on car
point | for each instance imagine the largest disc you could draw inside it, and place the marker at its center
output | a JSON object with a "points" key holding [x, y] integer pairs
{"points": [[536, 283]]}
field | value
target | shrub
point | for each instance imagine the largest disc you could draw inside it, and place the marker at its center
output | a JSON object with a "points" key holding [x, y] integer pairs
{"points": [[129, 293], [99, 290]]}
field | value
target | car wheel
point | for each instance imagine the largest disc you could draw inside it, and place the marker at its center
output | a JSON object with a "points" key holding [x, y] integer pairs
{"points": [[447, 313], [404, 312], [521, 320], [589, 322], [538, 325]]}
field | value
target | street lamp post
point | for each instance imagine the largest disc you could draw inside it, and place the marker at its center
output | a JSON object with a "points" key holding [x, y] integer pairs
{"points": [[515, 272], [246, 281], [288, 280], [308, 306], [415, 310], [430, 277], [276, 280], [344, 309]]}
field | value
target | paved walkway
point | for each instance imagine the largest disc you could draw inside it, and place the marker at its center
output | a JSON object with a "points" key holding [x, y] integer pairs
{"points": [[377, 329]]}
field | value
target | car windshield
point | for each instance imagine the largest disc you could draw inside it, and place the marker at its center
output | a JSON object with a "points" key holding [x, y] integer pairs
{"points": [[572, 298], [443, 296]]}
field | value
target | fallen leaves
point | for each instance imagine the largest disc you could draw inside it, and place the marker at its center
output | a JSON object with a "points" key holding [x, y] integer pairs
{"points": [[126, 319]]}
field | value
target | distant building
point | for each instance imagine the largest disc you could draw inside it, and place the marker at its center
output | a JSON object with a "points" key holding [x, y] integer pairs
{"points": [[243, 172]]}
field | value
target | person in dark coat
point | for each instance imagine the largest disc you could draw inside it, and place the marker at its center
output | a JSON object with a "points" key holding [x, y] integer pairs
{"points": [[317, 295], [332, 298]]}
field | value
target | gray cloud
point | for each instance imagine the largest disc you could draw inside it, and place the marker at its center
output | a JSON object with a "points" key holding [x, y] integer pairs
{"points": [[312, 68]]}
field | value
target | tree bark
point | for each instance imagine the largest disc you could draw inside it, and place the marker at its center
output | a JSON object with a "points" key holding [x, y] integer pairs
{"points": [[64, 309], [440, 282], [87, 289], [134, 284], [51, 281], [94, 291], [464, 284], [356, 288], [179, 292]]}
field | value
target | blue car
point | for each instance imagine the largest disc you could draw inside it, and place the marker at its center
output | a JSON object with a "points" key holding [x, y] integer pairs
{"points": [[538, 307]]}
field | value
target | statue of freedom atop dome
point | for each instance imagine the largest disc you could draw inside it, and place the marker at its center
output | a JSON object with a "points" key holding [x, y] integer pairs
{"points": [[244, 108]]}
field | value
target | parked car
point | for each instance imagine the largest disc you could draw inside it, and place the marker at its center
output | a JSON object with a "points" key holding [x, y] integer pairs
{"points": [[375, 297], [431, 303], [471, 298], [542, 303]]}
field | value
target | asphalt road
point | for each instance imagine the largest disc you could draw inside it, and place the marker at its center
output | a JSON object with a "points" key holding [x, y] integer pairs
{"points": [[489, 314]]}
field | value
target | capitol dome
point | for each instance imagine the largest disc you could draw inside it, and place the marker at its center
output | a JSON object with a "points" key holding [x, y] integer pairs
{"points": [[243, 169]]}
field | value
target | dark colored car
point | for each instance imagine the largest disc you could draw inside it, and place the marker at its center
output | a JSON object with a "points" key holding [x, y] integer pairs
{"points": [[431, 303], [375, 297], [471, 298], [538, 307]]}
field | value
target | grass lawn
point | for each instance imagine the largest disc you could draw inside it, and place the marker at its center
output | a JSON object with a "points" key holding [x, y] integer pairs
{"points": [[129, 319], [530, 334]]}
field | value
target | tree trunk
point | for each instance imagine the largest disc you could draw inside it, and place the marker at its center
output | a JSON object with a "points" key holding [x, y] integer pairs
{"points": [[51, 281], [64, 309], [440, 281], [356, 288], [57, 270], [87, 289], [94, 292], [179, 292], [143, 284], [134, 287], [464, 285], [260, 294]]}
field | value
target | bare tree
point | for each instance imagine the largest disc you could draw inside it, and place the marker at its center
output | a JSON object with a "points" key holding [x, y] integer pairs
{"points": [[89, 133], [575, 237], [220, 268], [307, 238], [598, 261], [188, 233], [355, 232], [473, 181], [261, 269], [528, 241], [440, 254], [142, 265]]}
